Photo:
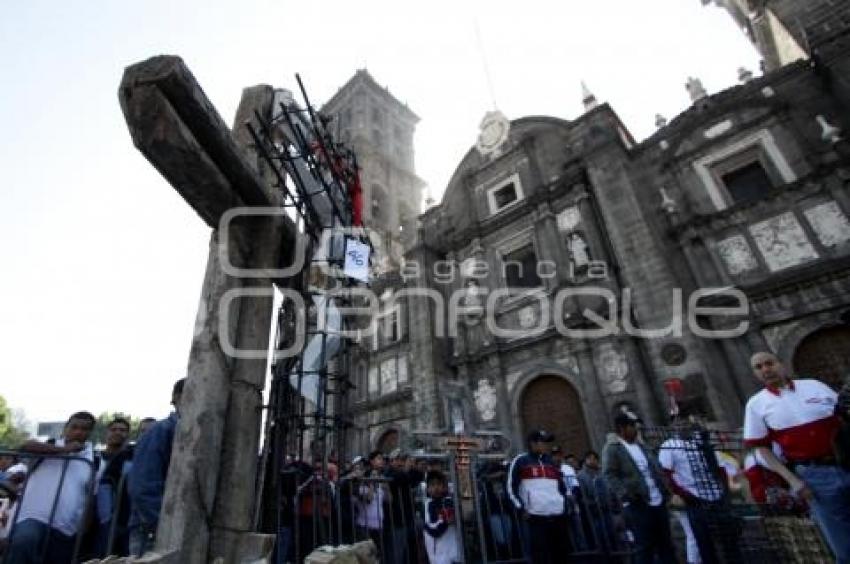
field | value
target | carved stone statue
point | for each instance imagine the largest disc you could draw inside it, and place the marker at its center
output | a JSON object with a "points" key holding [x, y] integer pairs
{"points": [[614, 369], [695, 89], [578, 250], [458, 426], [473, 314], [486, 400], [472, 303]]}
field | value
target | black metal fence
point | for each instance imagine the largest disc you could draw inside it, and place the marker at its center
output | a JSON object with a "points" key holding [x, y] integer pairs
{"points": [[720, 520], [62, 508], [593, 525], [388, 508], [712, 515], [48, 511]]}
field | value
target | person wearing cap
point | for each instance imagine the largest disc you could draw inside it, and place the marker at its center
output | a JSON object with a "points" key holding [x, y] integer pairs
{"points": [[536, 488], [636, 478], [146, 480], [440, 532], [800, 416], [402, 481]]}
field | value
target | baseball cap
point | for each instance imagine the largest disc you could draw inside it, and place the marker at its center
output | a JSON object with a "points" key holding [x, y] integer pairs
{"points": [[540, 436], [626, 418]]}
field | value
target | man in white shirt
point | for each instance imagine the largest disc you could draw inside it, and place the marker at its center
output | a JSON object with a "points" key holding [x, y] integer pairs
{"points": [[799, 415], [635, 477], [54, 501]]}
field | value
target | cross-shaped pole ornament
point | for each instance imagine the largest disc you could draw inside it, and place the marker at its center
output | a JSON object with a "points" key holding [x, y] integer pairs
{"points": [[209, 498]]}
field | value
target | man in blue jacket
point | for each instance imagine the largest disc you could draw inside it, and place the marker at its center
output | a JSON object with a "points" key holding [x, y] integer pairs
{"points": [[536, 488], [147, 476]]}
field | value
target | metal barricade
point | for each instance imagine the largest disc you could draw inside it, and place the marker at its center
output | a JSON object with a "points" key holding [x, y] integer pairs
{"points": [[38, 517], [717, 515], [387, 509], [593, 524]]}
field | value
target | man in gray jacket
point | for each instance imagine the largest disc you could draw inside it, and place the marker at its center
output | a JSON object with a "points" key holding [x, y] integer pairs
{"points": [[636, 478]]}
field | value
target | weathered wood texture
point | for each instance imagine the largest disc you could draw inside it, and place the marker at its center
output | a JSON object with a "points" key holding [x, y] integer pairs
{"points": [[209, 497], [234, 509], [177, 128]]}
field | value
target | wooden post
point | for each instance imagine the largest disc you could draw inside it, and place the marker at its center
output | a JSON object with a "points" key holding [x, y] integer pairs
{"points": [[209, 494]]}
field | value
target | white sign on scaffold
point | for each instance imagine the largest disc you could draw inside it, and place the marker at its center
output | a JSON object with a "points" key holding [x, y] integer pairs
{"points": [[357, 260]]}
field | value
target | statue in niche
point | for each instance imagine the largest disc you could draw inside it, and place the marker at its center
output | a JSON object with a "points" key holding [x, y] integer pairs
{"points": [[458, 425], [473, 314], [614, 369], [472, 303], [578, 250], [486, 400]]}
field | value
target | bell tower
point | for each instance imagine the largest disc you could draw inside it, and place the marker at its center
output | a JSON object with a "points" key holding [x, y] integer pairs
{"points": [[380, 129], [784, 31]]}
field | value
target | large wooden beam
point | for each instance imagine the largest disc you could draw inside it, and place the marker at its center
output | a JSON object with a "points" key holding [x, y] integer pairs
{"points": [[209, 496], [233, 512], [173, 123]]}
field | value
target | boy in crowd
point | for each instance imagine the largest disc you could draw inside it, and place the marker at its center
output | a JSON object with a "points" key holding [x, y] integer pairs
{"points": [[440, 534]]}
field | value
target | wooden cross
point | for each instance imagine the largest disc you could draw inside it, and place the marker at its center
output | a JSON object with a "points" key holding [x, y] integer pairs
{"points": [[209, 497], [463, 448]]}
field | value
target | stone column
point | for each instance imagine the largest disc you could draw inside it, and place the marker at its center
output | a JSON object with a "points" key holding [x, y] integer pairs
{"points": [[426, 348]]}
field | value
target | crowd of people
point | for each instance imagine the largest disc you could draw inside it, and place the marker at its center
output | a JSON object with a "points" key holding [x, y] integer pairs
{"points": [[798, 435], [541, 506], [64, 500]]}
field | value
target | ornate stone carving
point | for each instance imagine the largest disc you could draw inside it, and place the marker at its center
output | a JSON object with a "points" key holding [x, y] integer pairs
{"points": [[570, 362], [578, 250], [486, 400], [569, 218], [473, 312], [782, 242], [494, 132], [458, 423], [737, 255], [527, 317], [829, 223], [613, 368], [389, 376], [472, 303]]}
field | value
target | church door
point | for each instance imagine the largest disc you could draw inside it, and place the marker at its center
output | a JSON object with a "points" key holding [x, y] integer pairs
{"points": [[825, 355], [551, 403]]}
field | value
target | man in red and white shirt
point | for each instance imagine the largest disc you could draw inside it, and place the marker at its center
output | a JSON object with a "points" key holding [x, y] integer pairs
{"points": [[799, 415]]}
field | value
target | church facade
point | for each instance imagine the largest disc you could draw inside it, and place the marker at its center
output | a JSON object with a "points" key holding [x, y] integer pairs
{"points": [[570, 272]]}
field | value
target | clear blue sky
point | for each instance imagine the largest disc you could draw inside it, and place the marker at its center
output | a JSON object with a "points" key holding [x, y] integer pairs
{"points": [[102, 262]]}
